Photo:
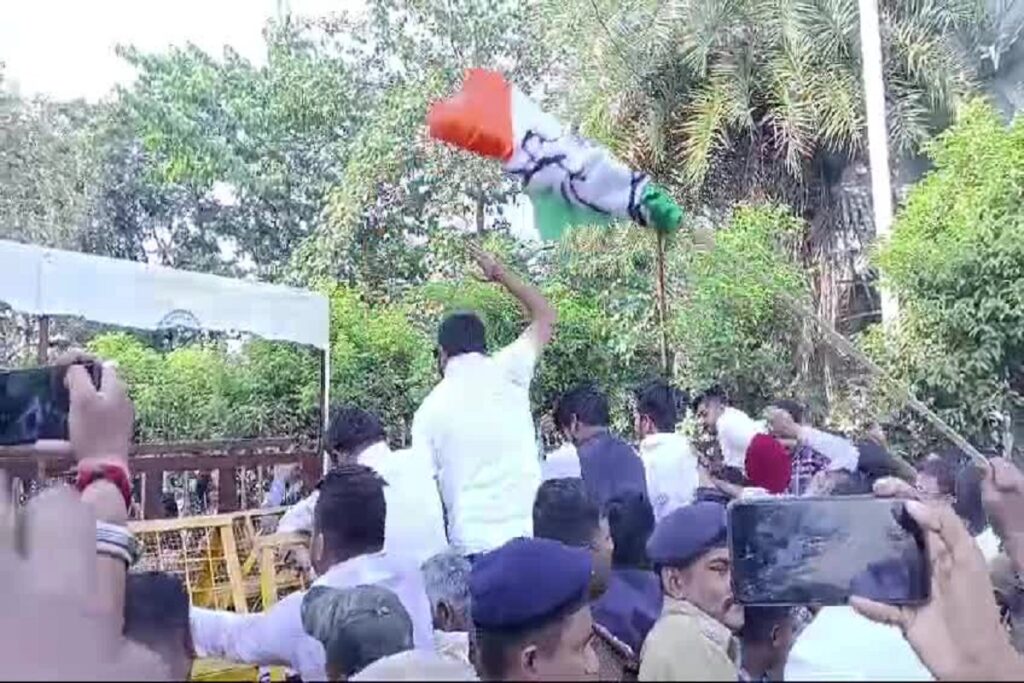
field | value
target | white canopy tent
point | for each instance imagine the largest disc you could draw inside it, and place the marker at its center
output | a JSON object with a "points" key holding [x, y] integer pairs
{"points": [[42, 281]]}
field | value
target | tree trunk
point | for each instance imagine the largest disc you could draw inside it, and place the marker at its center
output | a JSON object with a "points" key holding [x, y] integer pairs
{"points": [[480, 207]]}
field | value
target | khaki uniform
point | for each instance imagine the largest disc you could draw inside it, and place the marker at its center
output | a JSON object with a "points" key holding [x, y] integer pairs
{"points": [[688, 645]]}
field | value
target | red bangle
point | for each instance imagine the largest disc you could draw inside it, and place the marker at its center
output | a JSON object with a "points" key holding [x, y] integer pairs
{"points": [[118, 476]]}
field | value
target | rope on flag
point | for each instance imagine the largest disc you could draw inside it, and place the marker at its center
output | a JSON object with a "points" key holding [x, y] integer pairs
{"points": [[571, 181]]}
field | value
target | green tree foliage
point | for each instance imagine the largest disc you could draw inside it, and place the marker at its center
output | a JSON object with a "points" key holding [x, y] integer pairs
{"points": [[956, 262], [730, 323], [47, 170], [785, 75], [246, 154]]}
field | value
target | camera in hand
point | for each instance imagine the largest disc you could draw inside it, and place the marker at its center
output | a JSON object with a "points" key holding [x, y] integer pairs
{"points": [[34, 404], [820, 551]]}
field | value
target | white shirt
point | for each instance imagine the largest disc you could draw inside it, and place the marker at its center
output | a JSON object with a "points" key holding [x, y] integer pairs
{"points": [[562, 463], [671, 469], [841, 645], [476, 425], [414, 524], [735, 430], [988, 544], [840, 451], [276, 637]]}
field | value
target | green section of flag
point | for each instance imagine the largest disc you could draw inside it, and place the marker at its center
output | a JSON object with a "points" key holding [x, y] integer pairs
{"points": [[553, 216], [663, 213]]}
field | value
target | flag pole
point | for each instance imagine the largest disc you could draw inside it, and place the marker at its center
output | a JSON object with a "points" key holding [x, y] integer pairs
{"points": [[662, 303]]}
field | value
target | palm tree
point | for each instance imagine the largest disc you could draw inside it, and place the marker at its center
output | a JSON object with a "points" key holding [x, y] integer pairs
{"points": [[733, 99]]}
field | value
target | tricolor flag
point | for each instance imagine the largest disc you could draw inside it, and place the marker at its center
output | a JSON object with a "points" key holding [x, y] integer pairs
{"points": [[571, 181]]}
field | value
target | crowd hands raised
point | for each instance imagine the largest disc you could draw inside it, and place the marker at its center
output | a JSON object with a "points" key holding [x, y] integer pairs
{"points": [[467, 556]]}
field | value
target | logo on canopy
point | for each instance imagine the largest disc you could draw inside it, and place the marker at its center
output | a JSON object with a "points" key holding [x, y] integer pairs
{"points": [[179, 318]]}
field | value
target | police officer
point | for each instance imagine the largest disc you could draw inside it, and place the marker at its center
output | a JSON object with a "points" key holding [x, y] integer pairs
{"points": [[530, 611], [693, 639]]}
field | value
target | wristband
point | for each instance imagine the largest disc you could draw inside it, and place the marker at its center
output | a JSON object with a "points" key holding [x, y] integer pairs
{"points": [[118, 476], [117, 541]]}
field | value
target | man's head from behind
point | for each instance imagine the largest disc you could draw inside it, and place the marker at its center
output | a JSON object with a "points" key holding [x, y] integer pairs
{"points": [[936, 478], [630, 523], [767, 637], [156, 616], [531, 613], [688, 549], [580, 411], [563, 512], [460, 333], [348, 520], [655, 408], [795, 410], [352, 431], [446, 576], [709, 406], [357, 626]]}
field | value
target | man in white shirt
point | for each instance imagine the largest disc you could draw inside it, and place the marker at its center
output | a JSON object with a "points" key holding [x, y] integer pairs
{"points": [[347, 551], [841, 645], [476, 423], [414, 528], [670, 464], [746, 447]]}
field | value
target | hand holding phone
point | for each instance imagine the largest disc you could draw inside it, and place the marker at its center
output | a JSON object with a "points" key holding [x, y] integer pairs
{"points": [[956, 633], [821, 551]]}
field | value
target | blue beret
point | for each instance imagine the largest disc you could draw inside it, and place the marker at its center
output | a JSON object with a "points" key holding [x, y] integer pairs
{"points": [[685, 533], [527, 582]]}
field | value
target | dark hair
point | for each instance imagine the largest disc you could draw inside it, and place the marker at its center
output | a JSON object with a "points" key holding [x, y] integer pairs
{"points": [[792, 407], [875, 461], [658, 401], [631, 523], [494, 649], [586, 403], [462, 332], [713, 393], [944, 471], [968, 504], [350, 511], [758, 622], [562, 511], [169, 505], [353, 428], [854, 484], [156, 609]]}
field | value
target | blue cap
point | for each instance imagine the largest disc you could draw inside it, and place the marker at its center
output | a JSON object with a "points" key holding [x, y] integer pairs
{"points": [[686, 533], [526, 583]]}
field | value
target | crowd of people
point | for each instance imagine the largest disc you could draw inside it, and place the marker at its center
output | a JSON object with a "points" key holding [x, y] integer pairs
{"points": [[469, 556]]}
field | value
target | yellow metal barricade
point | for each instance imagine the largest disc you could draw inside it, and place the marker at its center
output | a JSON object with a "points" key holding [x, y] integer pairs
{"points": [[230, 561]]}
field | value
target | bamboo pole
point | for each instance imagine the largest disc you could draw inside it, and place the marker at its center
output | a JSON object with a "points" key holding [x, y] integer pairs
{"points": [[843, 346], [662, 304]]}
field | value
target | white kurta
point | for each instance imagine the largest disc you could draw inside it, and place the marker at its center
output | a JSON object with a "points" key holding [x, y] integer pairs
{"points": [[414, 525], [476, 426], [841, 645], [671, 469], [735, 430], [276, 637]]}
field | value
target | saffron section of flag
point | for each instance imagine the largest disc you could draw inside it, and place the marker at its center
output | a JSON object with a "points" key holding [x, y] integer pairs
{"points": [[570, 180]]}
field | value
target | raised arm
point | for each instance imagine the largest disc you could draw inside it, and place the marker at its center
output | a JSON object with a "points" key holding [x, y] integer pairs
{"points": [[542, 313]]}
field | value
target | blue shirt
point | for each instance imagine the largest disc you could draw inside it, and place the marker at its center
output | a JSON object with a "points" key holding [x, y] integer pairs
{"points": [[630, 605], [610, 467]]}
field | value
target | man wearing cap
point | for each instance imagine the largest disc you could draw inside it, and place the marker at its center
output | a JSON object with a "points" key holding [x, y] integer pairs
{"points": [[693, 639], [529, 607]]}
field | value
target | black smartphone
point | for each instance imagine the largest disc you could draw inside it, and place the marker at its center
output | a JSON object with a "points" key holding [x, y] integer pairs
{"points": [[34, 404], [820, 551]]}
